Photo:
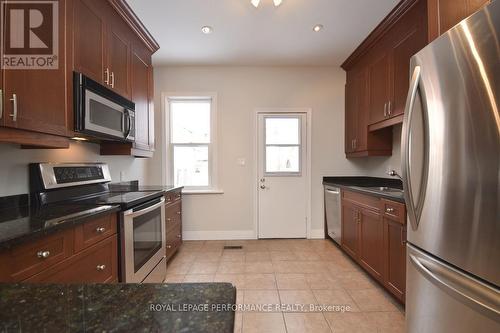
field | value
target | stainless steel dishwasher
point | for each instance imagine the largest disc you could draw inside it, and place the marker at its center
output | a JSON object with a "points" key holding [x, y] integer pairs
{"points": [[333, 213]]}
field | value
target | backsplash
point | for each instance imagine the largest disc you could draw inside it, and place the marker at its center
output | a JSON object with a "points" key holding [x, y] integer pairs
{"points": [[14, 164]]}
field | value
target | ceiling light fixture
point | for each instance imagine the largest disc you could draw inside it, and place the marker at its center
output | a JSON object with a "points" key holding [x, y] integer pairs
{"points": [[207, 30], [317, 27], [256, 3]]}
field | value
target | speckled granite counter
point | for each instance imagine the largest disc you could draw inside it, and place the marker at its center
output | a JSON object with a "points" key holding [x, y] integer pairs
{"points": [[20, 222], [368, 185], [117, 307]]}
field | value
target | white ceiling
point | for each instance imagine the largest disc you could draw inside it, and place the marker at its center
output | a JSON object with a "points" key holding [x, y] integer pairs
{"points": [[244, 35]]}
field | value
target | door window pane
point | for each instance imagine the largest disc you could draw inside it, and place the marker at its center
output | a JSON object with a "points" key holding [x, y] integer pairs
{"points": [[191, 165], [190, 121], [282, 159], [282, 131]]}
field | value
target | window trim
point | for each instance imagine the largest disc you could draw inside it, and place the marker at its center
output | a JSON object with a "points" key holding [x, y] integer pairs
{"points": [[168, 161]]}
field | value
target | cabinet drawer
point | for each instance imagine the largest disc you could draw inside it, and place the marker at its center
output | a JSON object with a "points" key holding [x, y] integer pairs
{"points": [[96, 264], [94, 231], [362, 200], [394, 210], [174, 239], [173, 214], [28, 259], [172, 196]]}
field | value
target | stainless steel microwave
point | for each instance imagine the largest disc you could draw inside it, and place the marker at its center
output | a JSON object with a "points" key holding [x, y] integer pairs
{"points": [[101, 113]]}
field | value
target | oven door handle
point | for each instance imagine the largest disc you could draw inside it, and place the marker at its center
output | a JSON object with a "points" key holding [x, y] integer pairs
{"points": [[132, 214]]}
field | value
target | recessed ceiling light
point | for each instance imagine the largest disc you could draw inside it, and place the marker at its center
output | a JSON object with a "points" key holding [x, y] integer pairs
{"points": [[318, 28], [207, 30]]}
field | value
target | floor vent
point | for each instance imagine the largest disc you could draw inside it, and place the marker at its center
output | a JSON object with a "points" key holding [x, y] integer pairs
{"points": [[233, 247]]}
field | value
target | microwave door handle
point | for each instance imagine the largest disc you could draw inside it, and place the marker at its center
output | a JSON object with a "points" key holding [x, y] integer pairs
{"points": [[129, 124]]}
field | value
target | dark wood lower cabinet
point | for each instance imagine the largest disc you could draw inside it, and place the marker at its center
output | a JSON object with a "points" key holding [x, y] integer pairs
{"points": [[371, 243], [374, 235], [395, 255], [173, 222], [87, 253], [350, 229]]}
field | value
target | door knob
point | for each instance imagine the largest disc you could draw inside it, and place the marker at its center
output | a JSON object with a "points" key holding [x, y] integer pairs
{"points": [[263, 187]]}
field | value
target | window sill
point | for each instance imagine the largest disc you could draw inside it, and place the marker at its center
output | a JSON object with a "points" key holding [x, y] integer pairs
{"points": [[203, 191]]}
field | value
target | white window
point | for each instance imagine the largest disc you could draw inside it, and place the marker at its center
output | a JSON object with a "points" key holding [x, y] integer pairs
{"points": [[191, 142], [283, 146]]}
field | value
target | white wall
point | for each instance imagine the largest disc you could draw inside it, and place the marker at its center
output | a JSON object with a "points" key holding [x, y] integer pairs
{"points": [[240, 91], [14, 164]]}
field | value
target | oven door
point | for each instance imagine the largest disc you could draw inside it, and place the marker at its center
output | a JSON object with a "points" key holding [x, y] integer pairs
{"points": [[143, 240]]}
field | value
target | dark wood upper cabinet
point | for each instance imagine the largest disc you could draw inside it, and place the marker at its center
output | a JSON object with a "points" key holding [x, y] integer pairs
{"points": [[444, 14], [35, 99], [141, 73], [89, 40], [95, 38], [119, 51], [379, 79], [385, 54]]}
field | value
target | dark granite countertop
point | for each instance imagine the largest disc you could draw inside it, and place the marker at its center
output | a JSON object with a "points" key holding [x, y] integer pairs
{"points": [[135, 186], [368, 185], [20, 222], [117, 307]]}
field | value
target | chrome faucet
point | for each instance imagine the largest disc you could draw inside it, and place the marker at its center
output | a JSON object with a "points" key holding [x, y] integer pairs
{"points": [[393, 173]]}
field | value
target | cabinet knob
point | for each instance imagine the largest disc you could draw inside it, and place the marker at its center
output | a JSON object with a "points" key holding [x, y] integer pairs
{"points": [[43, 254], [178, 213], [169, 246], [169, 219], [100, 267], [179, 236], [389, 210], [100, 230]]}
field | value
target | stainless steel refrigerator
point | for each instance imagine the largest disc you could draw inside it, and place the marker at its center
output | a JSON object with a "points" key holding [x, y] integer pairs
{"points": [[450, 162]]}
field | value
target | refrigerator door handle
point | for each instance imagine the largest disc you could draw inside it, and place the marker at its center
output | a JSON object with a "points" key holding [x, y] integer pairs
{"points": [[466, 290], [413, 208]]}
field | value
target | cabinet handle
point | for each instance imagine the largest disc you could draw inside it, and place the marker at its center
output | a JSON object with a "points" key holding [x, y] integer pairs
{"points": [[178, 213], [14, 107], [179, 236], [1, 103], [106, 76], [403, 238], [100, 267], [355, 143], [100, 230], [112, 79], [169, 246], [169, 219], [385, 109], [43, 254], [389, 210], [389, 108]]}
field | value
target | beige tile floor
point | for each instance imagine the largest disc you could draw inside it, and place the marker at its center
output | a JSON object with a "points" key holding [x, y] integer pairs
{"points": [[291, 272]]}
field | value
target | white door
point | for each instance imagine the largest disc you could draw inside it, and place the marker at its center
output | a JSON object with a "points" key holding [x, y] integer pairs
{"points": [[282, 175]]}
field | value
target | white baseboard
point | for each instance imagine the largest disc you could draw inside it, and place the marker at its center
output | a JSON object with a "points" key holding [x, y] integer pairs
{"points": [[317, 234], [219, 235]]}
